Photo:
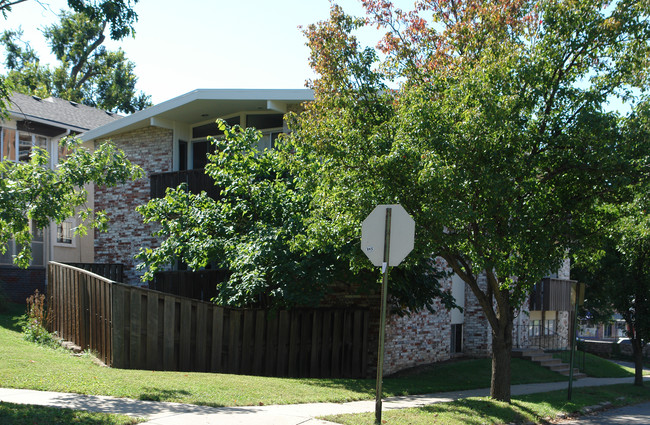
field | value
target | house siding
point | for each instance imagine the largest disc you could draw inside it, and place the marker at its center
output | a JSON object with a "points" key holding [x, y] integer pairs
{"points": [[418, 339], [151, 148], [425, 337]]}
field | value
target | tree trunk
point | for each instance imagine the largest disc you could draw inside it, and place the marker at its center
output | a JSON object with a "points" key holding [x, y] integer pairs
{"points": [[501, 354], [637, 353]]}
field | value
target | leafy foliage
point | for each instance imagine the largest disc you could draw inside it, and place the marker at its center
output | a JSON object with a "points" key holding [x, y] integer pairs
{"points": [[118, 13], [32, 193], [87, 72], [495, 139], [257, 231], [616, 271]]}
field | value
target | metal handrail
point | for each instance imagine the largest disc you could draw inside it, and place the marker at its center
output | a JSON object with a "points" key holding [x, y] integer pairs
{"points": [[535, 336]]}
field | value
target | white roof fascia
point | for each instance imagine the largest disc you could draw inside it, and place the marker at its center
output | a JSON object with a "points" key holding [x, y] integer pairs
{"points": [[160, 122], [274, 105], [136, 119]]}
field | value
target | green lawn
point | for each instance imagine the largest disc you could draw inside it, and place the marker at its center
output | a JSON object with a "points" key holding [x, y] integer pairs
{"points": [[23, 414], [596, 366], [533, 408], [26, 365]]}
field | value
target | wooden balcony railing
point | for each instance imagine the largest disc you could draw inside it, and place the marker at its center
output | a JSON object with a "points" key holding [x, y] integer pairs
{"points": [[552, 295], [196, 181]]}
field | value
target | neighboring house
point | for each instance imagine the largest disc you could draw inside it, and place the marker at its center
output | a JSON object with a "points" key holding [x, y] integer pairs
{"points": [[169, 141], [32, 121], [614, 330]]}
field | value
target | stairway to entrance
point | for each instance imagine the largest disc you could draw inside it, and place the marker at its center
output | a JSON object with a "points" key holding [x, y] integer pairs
{"points": [[546, 360]]}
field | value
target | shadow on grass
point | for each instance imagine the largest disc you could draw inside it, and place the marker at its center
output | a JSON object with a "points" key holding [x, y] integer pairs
{"points": [[451, 376], [361, 386], [21, 414], [158, 394], [476, 411], [11, 315]]}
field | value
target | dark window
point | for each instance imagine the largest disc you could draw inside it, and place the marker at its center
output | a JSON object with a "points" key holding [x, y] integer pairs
{"points": [[199, 154], [261, 121], [457, 338], [7, 257], [212, 129], [182, 155]]}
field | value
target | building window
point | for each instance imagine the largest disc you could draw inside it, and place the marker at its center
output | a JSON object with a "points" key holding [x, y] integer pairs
{"points": [[534, 328], [7, 257], [457, 338], [65, 232], [13, 141], [182, 155], [8, 144], [264, 121], [200, 152], [550, 327], [38, 249], [268, 140]]}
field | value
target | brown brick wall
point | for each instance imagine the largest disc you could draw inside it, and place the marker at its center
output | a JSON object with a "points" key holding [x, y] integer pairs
{"points": [[18, 284], [150, 148]]}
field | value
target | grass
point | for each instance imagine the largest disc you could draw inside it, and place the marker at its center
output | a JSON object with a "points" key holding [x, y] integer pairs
{"points": [[29, 366], [595, 366], [535, 408], [22, 414]]}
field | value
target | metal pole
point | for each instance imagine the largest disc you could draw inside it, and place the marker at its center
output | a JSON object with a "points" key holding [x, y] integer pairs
{"points": [[573, 341], [382, 319]]}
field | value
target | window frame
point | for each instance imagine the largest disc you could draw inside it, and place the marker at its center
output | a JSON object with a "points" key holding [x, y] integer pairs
{"points": [[55, 234]]}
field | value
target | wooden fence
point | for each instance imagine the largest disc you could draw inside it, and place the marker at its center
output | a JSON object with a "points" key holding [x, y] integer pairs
{"points": [[147, 329], [199, 285], [114, 272], [81, 308]]}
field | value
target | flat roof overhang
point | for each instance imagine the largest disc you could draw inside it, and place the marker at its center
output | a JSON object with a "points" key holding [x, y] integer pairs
{"points": [[203, 105]]}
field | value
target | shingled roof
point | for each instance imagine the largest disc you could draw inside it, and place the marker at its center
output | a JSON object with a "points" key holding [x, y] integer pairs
{"points": [[56, 112]]}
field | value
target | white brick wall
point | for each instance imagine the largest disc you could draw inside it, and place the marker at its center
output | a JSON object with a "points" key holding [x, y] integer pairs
{"points": [[151, 149]]}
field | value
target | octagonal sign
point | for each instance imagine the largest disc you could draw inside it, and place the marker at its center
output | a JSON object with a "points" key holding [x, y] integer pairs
{"points": [[402, 235]]}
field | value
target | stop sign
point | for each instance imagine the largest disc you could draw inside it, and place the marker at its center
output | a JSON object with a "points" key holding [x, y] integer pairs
{"points": [[402, 235]]}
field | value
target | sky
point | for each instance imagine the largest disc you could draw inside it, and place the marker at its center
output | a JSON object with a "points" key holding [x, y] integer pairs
{"points": [[184, 45], [180, 46]]}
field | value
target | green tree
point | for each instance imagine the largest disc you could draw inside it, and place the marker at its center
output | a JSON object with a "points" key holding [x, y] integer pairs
{"points": [[87, 72], [33, 193], [616, 267], [256, 230], [495, 139], [119, 14]]}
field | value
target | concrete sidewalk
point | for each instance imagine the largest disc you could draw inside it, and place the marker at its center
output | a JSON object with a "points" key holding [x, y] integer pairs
{"points": [[161, 413]]}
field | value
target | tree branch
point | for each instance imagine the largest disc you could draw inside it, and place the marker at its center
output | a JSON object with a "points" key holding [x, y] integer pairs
{"points": [[84, 58]]}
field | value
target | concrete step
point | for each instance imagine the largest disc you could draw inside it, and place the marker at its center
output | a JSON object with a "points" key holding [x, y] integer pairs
{"points": [[551, 363], [528, 353], [547, 361]]}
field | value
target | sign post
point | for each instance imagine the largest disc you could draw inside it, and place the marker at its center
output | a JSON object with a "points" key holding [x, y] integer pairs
{"points": [[377, 233], [577, 296]]}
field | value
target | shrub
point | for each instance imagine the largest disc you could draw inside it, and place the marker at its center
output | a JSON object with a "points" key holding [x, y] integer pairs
{"points": [[34, 322]]}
